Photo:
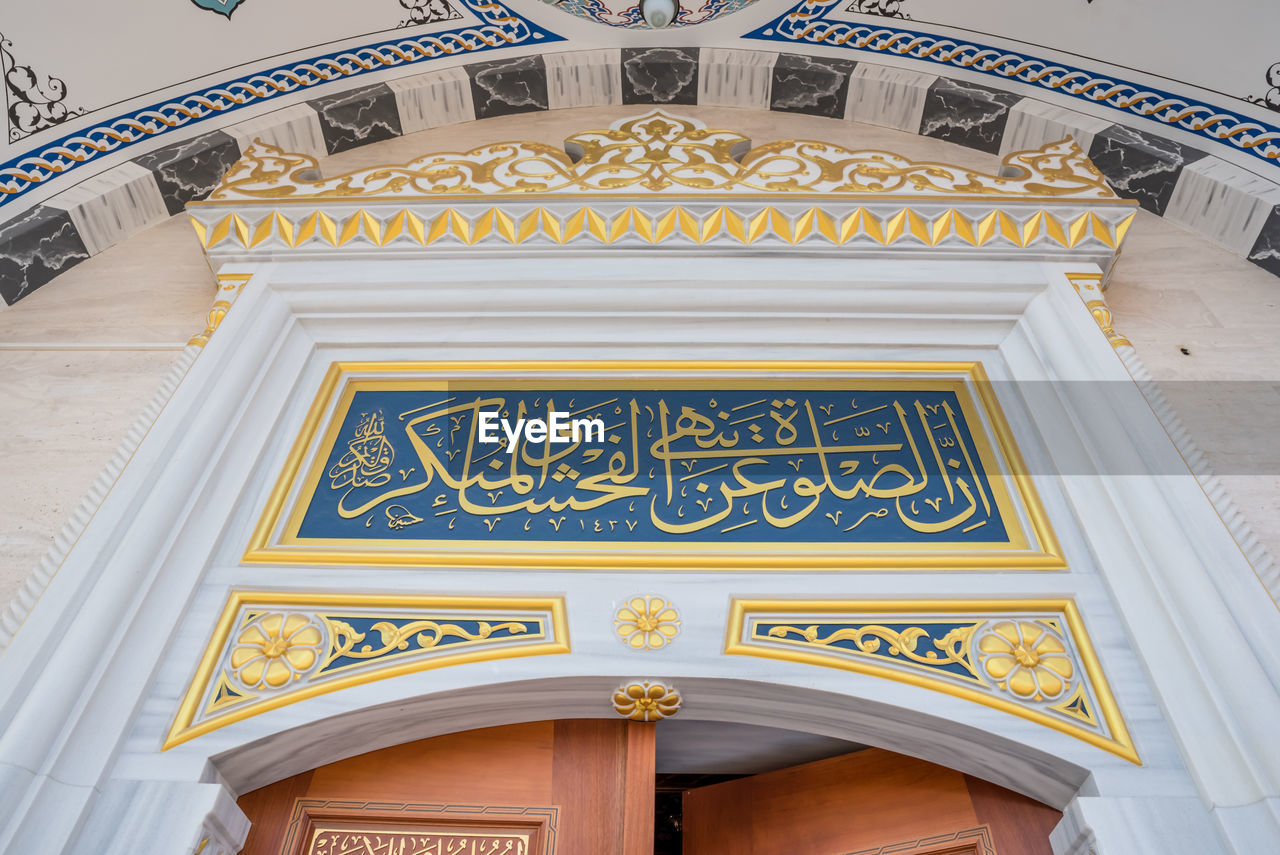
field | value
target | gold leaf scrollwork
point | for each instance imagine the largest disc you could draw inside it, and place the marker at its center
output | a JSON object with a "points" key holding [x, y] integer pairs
{"points": [[1089, 287], [229, 288], [951, 649], [660, 153], [1106, 322], [423, 634]]}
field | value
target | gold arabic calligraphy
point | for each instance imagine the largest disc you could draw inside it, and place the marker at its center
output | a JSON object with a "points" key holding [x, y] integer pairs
{"points": [[331, 842], [871, 466]]}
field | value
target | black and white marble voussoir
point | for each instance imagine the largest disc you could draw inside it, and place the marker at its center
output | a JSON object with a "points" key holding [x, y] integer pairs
{"points": [[34, 248], [659, 75], [357, 117], [966, 113], [1266, 250], [1141, 166], [189, 170], [813, 85], [507, 86], [38, 244]]}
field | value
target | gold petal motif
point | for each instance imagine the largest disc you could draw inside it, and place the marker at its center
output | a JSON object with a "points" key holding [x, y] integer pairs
{"points": [[647, 701]]}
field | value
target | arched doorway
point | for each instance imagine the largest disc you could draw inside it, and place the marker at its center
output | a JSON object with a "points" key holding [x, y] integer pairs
{"points": [[589, 785]]}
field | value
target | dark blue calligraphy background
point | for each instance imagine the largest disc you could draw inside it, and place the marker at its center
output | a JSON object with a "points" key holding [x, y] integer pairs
{"points": [[725, 466]]}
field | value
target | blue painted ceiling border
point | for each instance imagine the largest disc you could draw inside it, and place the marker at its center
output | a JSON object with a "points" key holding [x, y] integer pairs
{"points": [[806, 22], [500, 28]]}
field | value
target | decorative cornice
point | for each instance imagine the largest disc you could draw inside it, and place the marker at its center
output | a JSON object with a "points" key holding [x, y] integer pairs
{"points": [[658, 179], [659, 153]]}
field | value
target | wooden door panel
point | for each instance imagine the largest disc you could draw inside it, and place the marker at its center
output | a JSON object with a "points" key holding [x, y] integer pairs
{"points": [[863, 802], [586, 784]]}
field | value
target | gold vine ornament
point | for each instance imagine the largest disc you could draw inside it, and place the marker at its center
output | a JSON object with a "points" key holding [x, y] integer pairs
{"points": [[663, 154]]}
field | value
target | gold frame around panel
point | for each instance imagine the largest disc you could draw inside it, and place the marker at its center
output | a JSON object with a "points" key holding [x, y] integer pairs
{"points": [[1044, 554], [185, 728], [1119, 743]]}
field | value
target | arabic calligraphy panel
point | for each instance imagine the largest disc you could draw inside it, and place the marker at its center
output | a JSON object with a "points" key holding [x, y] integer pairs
{"points": [[382, 842], [832, 470]]}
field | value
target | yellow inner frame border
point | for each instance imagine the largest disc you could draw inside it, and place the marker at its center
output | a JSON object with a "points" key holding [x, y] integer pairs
{"points": [[1044, 553], [1119, 742]]}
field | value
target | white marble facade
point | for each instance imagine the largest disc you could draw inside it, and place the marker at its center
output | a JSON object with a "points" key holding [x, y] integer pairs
{"points": [[1168, 601], [1129, 543]]}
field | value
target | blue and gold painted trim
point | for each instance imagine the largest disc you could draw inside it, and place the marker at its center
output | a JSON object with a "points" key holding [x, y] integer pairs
{"points": [[301, 524], [273, 649], [1030, 658]]}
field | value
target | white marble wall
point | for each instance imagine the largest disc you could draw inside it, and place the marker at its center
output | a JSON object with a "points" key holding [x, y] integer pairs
{"points": [[1159, 295]]}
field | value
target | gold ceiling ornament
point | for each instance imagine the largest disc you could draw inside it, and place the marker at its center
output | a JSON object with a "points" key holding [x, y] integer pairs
{"points": [[647, 623], [1089, 287], [663, 154], [647, 701]]}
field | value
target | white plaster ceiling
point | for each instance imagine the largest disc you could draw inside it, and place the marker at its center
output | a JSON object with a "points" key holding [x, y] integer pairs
{"points": [[693, 747]]}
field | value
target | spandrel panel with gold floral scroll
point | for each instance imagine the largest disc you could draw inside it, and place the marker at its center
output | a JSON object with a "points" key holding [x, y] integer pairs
{"points": [[899, 465]]}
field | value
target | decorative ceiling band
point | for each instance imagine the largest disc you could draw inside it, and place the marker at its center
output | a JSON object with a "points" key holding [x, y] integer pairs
{"points": [[499, 27], [809, 22]]}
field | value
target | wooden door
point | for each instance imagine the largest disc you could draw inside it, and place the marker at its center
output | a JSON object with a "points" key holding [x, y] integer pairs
{"points": [[582, 787], [867, 802]]}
